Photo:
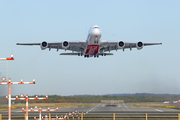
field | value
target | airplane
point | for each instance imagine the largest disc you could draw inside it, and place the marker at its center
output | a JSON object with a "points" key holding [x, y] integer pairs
{"points": [[92, 46], [172, 101]]}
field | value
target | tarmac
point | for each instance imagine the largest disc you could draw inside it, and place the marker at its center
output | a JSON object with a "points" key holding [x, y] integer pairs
{"points": [[101, 110]]}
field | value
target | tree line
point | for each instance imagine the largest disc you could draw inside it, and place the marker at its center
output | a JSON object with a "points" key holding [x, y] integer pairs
{"points": [[97, 99]]}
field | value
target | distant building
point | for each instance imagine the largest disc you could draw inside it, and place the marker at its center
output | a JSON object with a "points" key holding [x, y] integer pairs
{"points": [[112, 101]]}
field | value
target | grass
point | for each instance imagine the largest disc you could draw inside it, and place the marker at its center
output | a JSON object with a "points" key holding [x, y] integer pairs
{"points": [[149, 104], [20, 105]]}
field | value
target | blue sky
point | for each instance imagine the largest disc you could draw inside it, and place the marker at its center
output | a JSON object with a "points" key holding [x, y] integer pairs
{"points": [[154, 69]]}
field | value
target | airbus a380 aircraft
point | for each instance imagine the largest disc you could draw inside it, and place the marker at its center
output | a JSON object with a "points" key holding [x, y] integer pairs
{"points": [[93, 46]]}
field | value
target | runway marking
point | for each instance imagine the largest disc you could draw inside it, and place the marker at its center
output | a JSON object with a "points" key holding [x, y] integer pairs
{"points": [[124, 105], [18, 111], [158, 110]]}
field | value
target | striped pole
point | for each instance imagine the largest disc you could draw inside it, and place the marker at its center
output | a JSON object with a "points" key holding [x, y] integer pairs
{"points": [[40, 110], [12, 58], [9, 117], [9, 109], [27, 98], [9, 85], [26, 107]]}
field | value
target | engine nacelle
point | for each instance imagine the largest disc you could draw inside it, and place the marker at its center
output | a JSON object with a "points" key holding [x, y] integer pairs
{"points": [[44, 45], [65, 44], [139, 45], [121, 45]]}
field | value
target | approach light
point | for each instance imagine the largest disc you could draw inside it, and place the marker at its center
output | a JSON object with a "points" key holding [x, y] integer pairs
{"points": [[12, 55], [3, 79]]}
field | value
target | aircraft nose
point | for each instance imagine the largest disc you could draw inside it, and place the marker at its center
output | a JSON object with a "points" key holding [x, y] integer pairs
{"points": [[96, 32]]}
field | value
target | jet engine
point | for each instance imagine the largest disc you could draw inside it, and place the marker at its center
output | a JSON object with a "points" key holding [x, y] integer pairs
{"points": [[65, 44], [139, 45], [44, 45], [121, 45]]}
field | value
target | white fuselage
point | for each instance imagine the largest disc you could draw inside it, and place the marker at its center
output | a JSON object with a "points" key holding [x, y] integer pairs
{"points": [[93, 40]]}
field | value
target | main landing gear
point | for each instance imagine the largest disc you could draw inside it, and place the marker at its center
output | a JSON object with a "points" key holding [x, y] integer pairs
{"points": [[80, 54], [96, 56], [87, 56]]}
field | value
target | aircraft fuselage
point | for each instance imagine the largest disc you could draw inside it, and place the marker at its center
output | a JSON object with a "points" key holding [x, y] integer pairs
{"points": [[93, 41]]}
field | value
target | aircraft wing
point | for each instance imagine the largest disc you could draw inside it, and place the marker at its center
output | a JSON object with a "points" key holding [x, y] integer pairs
{"points": [[73, 46], [108, 46], [28, 43]]}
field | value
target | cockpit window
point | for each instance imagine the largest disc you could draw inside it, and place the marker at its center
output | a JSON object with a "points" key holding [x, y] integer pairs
{"points": [[95, 27]]}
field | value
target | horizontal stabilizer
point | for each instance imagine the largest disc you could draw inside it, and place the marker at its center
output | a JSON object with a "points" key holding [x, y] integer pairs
{"points": [[69, 53], [105, 54], [78, 53]]}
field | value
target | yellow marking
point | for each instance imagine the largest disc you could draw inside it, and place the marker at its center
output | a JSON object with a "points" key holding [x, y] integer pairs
{"points": [[170, 106], [81, 116], [114, 116], [146, 117], [25, 116], [0, 116], [49, 116], [13, 107]]}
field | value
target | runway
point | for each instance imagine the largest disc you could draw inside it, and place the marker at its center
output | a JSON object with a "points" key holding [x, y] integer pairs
{"points": [[101, 110], [125, 108]]}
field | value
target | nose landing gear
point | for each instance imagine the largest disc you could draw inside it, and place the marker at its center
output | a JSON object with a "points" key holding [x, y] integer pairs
{"points": [[96, 56], [86, 56], [80, 54]]}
